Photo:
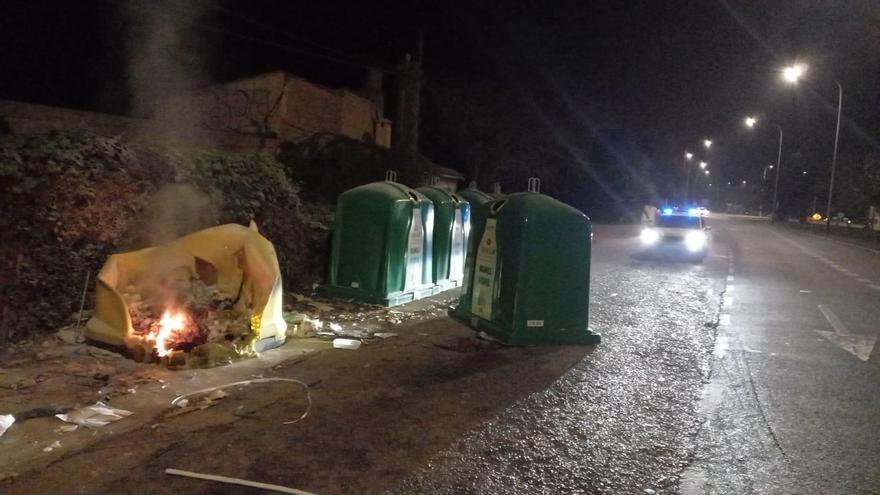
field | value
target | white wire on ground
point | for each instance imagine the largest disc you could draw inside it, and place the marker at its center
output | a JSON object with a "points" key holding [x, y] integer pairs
{"points": [[236, 481], [248, 382]]}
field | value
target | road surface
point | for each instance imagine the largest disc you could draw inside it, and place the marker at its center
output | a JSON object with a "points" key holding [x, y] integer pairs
{"points": [[791, 403]]}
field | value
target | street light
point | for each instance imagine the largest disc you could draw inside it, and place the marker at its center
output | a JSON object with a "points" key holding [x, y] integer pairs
{"points": [[707, 173], [703, 165], [688, 155], [750, 122], [707, 143], [792, 74]]}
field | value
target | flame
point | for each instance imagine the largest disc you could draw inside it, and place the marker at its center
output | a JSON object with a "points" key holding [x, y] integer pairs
{"points": [[170, 325]]}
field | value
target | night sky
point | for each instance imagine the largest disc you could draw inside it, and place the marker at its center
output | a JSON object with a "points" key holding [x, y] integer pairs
{"points": [[668, 73]]}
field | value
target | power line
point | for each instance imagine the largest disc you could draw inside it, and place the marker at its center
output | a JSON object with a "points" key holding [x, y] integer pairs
{"points": [[290, 48], [341, 59], [283, 32]]}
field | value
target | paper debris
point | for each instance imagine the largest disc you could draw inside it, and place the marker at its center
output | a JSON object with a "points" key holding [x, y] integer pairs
{"points": [[94, 416], [6, 421]]}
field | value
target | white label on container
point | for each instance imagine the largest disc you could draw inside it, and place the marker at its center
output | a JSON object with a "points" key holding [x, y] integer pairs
{"points": [[356, 284], [484, 273], [459, 247], [534, 323], [414, 248]]}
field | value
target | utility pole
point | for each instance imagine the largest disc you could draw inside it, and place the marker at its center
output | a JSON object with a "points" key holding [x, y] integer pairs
{"points": [[406, 126]]}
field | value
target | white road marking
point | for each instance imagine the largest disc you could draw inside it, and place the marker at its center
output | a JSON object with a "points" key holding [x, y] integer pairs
{"points": [[864, 280], [825, 238], [859, 346], [875, 287]]}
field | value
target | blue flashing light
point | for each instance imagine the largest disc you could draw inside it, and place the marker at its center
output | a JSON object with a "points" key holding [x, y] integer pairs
{"points": [[693, 212], [667, 211]]}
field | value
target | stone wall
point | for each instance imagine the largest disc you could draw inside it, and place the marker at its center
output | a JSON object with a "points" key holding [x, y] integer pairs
{"points": [[27, 117]]}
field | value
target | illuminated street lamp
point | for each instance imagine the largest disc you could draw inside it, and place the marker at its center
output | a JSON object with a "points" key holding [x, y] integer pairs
{"points": [[688, 155], [751, 122], [703, 165], [792, 74], [707, 143], [706, 172]]}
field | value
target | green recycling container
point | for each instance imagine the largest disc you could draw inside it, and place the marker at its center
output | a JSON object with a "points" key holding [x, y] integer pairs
{"points": [[382, 245], [452, 225], [527, 275], [475, 197]]}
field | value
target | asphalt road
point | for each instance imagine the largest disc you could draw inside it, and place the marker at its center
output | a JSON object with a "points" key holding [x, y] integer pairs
{"points": [[793, 405], [625, 418], [751, 373]]}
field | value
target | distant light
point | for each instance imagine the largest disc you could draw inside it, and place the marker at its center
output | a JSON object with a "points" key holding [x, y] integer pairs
{"points": [[744, 182], [793, 73], [710, 184], [805, 172], [817, 216], [771, 167], [688, 155], [751, 121], [728, 183], [707, 143], [703, 164], [706, 172], [667, 211], [693, 212]]}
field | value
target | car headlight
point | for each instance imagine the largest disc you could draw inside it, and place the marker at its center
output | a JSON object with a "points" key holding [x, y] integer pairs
{"points": [[649, 236], [695, 241]]}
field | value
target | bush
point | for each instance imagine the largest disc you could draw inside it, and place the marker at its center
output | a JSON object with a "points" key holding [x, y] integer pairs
{"points": [[69, 199]]}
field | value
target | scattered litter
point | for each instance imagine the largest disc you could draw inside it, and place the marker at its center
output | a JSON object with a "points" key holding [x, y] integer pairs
{"points": [[301, 326], [385, 335], [614, 294], [804, 292], [40, 412], [322, 307], [486, 336], [346, 344], [335, 327], [69, 428], [55, 445], [6, 421], [68, 336], [236, 481], [94, 416], [183, 400]]}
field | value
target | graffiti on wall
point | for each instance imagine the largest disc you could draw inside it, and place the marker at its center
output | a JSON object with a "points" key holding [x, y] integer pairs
{"points": [[236, 109]]}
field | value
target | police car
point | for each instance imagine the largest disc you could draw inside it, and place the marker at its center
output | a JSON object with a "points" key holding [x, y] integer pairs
{"points": [[678, 233]]}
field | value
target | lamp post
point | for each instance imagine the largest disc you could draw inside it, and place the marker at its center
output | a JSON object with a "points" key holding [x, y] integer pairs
{"points": [[751, 122], [792, 74]]}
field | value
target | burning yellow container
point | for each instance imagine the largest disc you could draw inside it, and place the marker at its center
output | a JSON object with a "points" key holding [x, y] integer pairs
{"points": [[244, 262]]}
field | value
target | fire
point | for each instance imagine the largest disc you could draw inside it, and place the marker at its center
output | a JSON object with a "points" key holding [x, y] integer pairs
{"points": [[170, 326]]}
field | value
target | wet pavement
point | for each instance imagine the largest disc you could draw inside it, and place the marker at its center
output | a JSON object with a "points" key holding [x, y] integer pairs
{"points": [[792, 406], [622, 420]]}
